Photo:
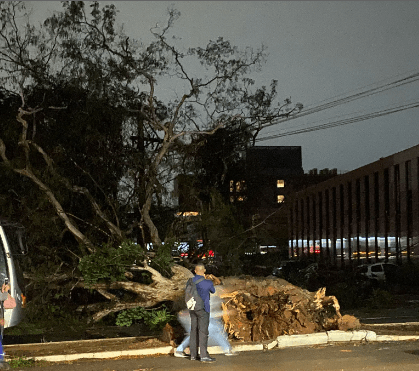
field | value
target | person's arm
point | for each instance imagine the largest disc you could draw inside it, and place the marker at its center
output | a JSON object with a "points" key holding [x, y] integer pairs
{"points": [[4, 292], [215, 280]]}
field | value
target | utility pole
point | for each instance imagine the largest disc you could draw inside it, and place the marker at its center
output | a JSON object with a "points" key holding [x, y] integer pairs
{"points": [[140, 180]]}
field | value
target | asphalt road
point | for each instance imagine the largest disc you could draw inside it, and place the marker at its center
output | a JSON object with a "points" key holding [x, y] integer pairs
{"points": [[389, 356]]}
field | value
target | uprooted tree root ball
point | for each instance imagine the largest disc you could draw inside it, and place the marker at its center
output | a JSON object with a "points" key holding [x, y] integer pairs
{"points": [[256, 309]]}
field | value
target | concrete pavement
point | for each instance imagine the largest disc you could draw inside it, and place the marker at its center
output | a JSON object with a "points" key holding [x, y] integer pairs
{"points": [[285, 341], [374, 356]]}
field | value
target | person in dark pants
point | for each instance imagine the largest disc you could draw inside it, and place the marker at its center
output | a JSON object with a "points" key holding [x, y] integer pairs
{"points": [[200, 318]]}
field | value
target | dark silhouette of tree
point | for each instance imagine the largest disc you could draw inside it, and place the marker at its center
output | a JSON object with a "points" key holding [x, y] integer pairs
{"points": [[96, 139]]}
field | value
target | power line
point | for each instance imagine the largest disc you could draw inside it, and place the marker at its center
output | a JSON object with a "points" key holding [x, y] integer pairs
{"points": [[344, 121], [334, 118], [346, 99]]}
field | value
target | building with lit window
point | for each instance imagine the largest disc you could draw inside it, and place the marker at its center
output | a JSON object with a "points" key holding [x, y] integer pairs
{"points": [[261, 191], [269, 170], [259, 188], [365, 215]]}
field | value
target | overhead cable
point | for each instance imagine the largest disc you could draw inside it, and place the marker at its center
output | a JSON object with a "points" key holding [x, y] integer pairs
{"points": [[381, 88], [343, 122]]}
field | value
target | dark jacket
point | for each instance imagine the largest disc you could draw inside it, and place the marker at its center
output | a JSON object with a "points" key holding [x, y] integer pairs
{"points": [[204, 289]]}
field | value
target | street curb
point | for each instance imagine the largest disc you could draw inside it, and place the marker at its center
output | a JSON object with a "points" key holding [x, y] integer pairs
{"points": [[348, 336], [397, 337], [103, 355], [392, 324], [284, 341]]}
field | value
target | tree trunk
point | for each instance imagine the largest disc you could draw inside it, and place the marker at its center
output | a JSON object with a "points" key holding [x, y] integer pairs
{"points": [[147, 295]]}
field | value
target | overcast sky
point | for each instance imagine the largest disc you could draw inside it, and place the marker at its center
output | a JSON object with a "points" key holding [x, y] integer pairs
{"points": [[318, 51]]}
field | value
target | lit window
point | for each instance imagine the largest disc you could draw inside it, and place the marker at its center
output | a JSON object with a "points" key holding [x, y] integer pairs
{"points": [[280, 183], [231, 198], [240, 198], [280, 198], [231, 185], [188, 213], [240, 186]]}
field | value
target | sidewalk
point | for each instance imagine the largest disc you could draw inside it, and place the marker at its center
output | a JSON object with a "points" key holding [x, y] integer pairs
{"points": [[384, 325], [148, 346]]}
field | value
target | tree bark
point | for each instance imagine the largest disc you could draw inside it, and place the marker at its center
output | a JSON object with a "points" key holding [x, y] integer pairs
{"points": [[160, 290]]}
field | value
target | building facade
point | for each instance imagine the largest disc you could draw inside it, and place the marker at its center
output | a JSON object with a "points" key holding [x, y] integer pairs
{"points": [[362, 216], [260, 189], [269, 170]]}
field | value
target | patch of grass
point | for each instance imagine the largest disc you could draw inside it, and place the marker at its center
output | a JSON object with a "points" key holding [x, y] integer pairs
{"points": [[154, 318], [380, 299], [22, 362], [25, 328]]}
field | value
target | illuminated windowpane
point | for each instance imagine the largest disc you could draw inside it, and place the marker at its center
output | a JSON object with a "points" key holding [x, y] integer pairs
{"points": [[240, 186], [231, 185], [280, 183], [231, 198], [280, 198], [240, 198]]}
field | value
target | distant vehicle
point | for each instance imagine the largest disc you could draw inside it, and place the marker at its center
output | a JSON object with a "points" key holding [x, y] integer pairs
{"points": [[310, 270], [378, 271], [12, 246], [288, 266], [177, 259]]}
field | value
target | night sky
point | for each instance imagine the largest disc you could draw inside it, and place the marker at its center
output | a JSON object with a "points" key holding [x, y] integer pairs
{"points": [[319, 52]]}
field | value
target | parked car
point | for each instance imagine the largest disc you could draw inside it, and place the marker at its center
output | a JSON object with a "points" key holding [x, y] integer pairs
{"points": [[287, 267], [381, 272]]}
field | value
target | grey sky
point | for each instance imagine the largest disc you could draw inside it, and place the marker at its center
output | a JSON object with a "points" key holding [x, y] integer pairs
{"points": [[318, 50]]}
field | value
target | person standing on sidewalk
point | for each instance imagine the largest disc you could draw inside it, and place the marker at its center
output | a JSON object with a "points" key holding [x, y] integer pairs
{"points": [[4, 294], [200, 318], [216, 331]]}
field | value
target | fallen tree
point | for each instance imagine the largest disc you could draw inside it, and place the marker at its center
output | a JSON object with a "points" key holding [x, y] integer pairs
{"points": [[138, 285], [259, 309], [89, 147], [146, 295], [256, 309]]}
